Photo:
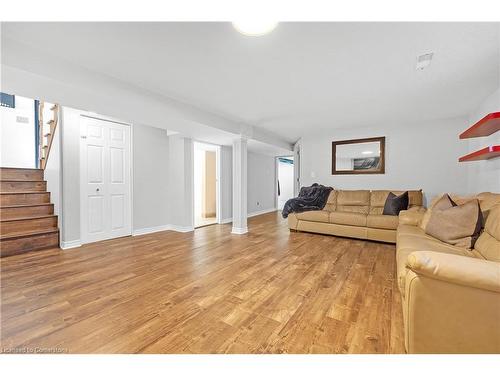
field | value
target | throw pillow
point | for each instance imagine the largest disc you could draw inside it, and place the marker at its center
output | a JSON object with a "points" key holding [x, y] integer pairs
{"points": [[459, 225], [439, 203], [394, 204]]}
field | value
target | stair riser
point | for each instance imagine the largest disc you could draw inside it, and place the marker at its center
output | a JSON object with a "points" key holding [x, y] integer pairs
{"points": [[18, 226], [21, 174], [16, 199], [18, 212], [24, 244], [19, 186]]}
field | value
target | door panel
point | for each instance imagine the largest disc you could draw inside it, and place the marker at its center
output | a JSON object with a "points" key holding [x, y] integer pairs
{"points": [[117, 211], [95, 158], [105, 179], [117, 164], [96, 214]]}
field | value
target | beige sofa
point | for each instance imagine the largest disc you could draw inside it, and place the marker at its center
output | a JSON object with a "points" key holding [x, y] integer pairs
{"points": [[450, 295], [355, 213]]}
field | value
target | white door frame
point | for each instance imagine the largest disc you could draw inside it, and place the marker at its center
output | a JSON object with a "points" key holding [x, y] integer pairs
{"points": [[276, 174], [96, 116]]}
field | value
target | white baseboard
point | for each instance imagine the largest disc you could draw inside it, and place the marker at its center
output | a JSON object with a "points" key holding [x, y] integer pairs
{"points": [[179, 228], [252, 214], [70, 244], [160, 228], [236, 230], [262, 212]]}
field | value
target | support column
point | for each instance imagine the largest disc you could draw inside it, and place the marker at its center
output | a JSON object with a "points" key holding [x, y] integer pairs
{"points": [[240, 186]]}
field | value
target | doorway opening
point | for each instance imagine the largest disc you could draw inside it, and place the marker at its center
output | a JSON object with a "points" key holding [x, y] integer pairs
{"points": [[206, 184], [285, 172]]}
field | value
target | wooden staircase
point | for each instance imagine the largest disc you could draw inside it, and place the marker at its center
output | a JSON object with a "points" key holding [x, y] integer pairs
{"points": [[27, 220]]}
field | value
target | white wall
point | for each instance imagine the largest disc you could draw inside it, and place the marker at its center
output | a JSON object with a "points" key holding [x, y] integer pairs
{"points": [[150, 178], [70, 133], [285, 177], [418, 156], [150, 160], [484, 175], [261, 182], [18, 138]]}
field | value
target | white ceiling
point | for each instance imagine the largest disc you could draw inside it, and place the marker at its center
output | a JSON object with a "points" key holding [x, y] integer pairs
{"points": [[301, 78]]}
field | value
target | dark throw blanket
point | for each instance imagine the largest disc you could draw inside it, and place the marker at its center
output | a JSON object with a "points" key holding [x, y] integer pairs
{"points": [[310, 198]]}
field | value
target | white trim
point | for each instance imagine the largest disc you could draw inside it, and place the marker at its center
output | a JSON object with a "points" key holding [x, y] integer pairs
{"points": [[235, 230], [257, 213], [70, 244], [180, 228], [160, 228], [262, 212]]}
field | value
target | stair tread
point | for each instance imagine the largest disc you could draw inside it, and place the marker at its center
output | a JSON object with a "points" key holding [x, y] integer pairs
{"points": [[28, 233], [2, 180], [24, 169], [27, 205], [27, 218], [24, 192]]}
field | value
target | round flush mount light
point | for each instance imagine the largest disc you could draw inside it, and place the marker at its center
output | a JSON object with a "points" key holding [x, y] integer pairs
{"points": [[255, 27]]}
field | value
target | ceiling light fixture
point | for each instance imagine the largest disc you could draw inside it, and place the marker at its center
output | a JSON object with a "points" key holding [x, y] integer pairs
{"points": [[423, 61], [254, 27]]}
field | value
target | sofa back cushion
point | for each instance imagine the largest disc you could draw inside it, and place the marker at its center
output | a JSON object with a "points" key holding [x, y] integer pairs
{"points": [[488, 243], [331, 203], [353, 201], [486, 201], [378, 198]]}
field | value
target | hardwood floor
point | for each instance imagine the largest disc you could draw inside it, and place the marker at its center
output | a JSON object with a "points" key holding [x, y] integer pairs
{"points": [[270, 291]]}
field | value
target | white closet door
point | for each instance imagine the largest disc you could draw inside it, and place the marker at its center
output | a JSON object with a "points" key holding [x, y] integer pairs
{"points": [[105, 180]]}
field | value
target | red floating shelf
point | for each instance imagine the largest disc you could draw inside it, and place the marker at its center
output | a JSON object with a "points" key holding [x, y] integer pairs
{"points": [[489, 124], [489, 152]]}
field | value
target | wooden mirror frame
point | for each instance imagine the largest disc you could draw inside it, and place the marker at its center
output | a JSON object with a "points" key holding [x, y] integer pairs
{"points": [[381, 140]]}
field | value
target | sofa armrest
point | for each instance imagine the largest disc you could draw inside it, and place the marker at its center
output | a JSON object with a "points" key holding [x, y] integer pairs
{"points": [[456, 269], [411, 217]]}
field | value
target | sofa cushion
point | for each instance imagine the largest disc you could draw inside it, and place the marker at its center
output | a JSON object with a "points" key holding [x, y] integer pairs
{"points": [[321, 216], [410, 230], [348, 218], [331, 203], [382, 221], [488, 243], [378, 198], [486, 201], [353, 201], [458, 225]]}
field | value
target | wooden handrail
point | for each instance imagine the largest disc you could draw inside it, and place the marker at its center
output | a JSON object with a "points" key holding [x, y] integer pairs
{"points": [[45, 149]]}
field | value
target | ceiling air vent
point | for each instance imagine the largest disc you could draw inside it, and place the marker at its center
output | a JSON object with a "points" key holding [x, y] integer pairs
{"points": [[423, 61]]}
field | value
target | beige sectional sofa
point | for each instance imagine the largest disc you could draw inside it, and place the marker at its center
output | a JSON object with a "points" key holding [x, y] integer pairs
{"points": [[355, 213], [450, 295]]}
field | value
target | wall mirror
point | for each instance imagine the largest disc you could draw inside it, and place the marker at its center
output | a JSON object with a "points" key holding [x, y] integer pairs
{"points": [[359, 156]]}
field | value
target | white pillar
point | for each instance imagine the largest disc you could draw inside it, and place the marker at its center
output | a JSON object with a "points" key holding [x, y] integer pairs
{"points": [[181, 183], [240, 186]]}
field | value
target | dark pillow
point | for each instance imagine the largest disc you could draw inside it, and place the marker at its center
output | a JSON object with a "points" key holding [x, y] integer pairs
{"points": [[394, 204]]}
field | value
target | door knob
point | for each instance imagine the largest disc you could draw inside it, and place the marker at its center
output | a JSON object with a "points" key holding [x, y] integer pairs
{"points": [[97, 189]]}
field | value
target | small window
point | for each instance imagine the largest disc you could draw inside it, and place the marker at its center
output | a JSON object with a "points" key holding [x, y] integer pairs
{"points": [[7, 100]]}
